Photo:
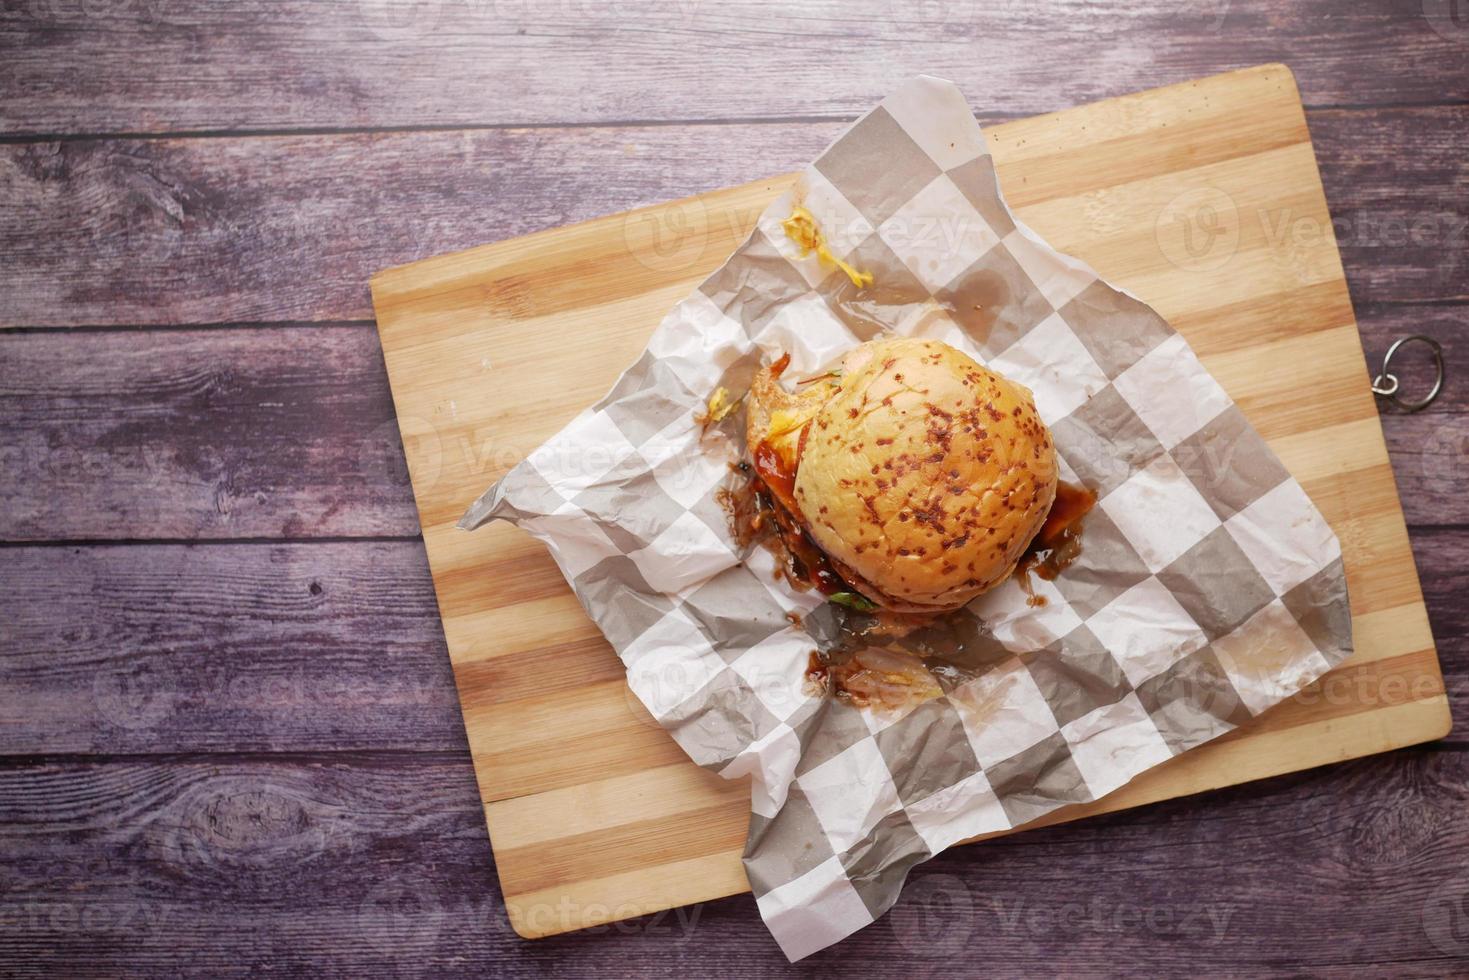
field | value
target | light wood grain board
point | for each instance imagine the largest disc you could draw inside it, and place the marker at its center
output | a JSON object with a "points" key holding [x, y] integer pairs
{"points": [[593, 812]]}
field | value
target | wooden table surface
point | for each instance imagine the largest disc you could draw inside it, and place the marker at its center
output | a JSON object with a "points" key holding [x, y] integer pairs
{"points": [[229, 741]]}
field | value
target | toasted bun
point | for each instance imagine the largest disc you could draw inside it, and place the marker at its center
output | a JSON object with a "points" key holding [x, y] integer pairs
{"points": [[926, 474]]}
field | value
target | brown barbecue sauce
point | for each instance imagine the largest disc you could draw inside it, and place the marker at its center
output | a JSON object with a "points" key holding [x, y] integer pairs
{"points": [[806, 564], [762, 508], [1058, 543]]}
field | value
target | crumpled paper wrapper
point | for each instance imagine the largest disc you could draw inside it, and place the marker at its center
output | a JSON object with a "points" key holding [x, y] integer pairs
{"points": [[1209, 587]]}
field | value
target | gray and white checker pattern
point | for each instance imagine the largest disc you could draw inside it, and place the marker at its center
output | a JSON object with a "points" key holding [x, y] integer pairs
{"points": [[1209, 588]]}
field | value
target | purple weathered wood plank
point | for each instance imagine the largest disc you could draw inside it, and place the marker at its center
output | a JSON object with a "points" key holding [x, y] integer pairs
{"points": [[377, 866], [188, 231], [1400, 215], [374, 63], [305, 647], [245, 647], [271, 432], [291, 228], [289, 431]]}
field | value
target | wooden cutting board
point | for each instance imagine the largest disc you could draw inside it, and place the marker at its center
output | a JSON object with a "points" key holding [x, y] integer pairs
{"points": [[1201, 198]]}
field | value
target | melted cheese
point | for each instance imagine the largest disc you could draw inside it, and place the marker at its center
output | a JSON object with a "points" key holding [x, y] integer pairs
{"points": [[784, 434], [801, 228]]}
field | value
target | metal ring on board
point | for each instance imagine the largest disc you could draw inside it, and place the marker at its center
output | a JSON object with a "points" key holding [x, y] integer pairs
{"points": [[1386, 383]]}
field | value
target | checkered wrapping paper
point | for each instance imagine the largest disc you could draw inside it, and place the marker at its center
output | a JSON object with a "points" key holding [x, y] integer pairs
{"points": [[1209, 587]]}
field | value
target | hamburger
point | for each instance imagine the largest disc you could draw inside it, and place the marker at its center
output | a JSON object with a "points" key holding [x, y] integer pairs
{"points": [[910, 479]]}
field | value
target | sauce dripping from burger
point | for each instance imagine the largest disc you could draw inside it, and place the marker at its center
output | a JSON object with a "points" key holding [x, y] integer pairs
{"points": [[763, 508], [806, 564], [773, 473], [1058, 543]]}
